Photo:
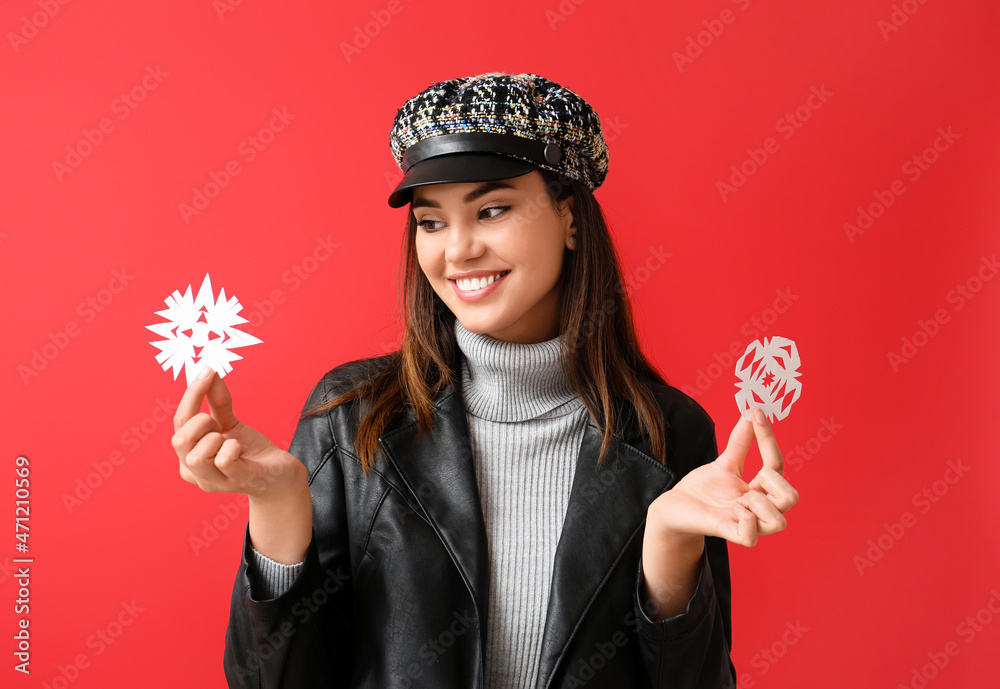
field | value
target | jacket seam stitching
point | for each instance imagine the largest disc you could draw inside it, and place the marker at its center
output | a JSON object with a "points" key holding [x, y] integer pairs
{"points": [[374, 470], [322, 463], [371, 523]]}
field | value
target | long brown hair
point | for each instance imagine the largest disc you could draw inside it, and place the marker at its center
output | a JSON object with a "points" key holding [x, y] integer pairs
{"points": [[601, 355]]}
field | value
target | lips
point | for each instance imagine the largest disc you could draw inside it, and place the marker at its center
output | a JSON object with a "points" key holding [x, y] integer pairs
{"points": [[481, 279], [476, 295]]}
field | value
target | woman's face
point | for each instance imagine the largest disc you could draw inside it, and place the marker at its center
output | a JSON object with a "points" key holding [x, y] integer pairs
{"points": [[509, 228]]}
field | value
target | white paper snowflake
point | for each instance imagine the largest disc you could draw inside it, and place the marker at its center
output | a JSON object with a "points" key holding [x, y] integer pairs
{"points": [[200, 332], [768, 376]]}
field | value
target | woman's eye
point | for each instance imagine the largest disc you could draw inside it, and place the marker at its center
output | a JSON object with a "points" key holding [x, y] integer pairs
{"points": [[424, 224], [494, 208]]}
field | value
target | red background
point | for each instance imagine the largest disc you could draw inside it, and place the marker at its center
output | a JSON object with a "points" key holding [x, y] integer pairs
{"points": [[673, 132]]}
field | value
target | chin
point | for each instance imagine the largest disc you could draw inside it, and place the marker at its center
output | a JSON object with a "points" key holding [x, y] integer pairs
{"points": [[483, 326], [477, 325]]}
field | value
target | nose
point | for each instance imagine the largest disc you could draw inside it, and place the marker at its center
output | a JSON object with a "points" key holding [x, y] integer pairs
{"points": [[462, 242]]}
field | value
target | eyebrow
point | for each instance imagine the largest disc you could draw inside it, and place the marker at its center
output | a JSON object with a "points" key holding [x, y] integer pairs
{"points": [[469, 198]]}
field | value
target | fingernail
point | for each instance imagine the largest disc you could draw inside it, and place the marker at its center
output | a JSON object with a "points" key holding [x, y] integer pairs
{"points": [[206, 371], [758, 415]]}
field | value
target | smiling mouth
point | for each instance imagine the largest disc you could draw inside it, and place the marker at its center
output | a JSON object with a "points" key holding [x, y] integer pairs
{"points": [[502, 275]]}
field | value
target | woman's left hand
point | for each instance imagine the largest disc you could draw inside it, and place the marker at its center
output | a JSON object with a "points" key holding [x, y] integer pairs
{"points": [[714, 500]]}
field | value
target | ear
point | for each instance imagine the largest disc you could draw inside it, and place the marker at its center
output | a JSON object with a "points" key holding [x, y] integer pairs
{"points": [[567, 211]]}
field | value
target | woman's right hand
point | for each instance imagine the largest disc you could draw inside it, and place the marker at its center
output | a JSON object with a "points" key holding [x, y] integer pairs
{"points": [[219, 453]]}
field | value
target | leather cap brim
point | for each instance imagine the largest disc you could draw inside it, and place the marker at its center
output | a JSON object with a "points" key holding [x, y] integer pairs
{"points": [[457, 167]]}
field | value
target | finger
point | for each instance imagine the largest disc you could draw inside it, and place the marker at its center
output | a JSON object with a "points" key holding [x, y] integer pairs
{"points": [[745, 528], [776, 488], [769, 518], [186, 474], [227, 460], [737, 447], [220, 403], [248, 476], [191, 401], [768, 444], [201, 460], [191, 432]]}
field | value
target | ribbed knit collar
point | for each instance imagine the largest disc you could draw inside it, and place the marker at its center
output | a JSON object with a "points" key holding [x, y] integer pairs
{"points": [[509, 381]]}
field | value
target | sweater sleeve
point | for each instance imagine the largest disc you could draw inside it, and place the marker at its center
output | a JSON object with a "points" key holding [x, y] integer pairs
{"points": [[268, 578]]}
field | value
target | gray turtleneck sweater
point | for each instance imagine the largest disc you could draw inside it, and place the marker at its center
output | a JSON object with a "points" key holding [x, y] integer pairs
{"points": [[525, 428]]}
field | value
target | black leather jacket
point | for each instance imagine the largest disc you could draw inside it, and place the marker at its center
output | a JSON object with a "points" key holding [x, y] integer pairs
{"points": [[394, 589]]}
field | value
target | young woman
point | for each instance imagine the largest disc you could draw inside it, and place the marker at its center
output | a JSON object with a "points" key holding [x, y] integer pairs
{"points": [[516, 497]]}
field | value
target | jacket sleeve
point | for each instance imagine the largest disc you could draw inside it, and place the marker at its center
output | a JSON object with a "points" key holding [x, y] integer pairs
{"points": [[300, 638], [692, 650]]}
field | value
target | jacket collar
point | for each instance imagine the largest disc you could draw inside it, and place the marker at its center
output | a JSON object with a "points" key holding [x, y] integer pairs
{"points": [[606, 510]]}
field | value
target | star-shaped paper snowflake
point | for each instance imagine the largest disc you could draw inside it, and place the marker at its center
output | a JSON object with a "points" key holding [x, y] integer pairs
{"points": [[200, 332], [768, 373]]}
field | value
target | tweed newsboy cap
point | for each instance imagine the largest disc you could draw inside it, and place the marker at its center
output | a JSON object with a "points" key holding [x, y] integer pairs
{"points": [[495, 126]]}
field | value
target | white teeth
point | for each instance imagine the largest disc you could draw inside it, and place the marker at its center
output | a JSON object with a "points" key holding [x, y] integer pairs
{"points": [[474, 284]]}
